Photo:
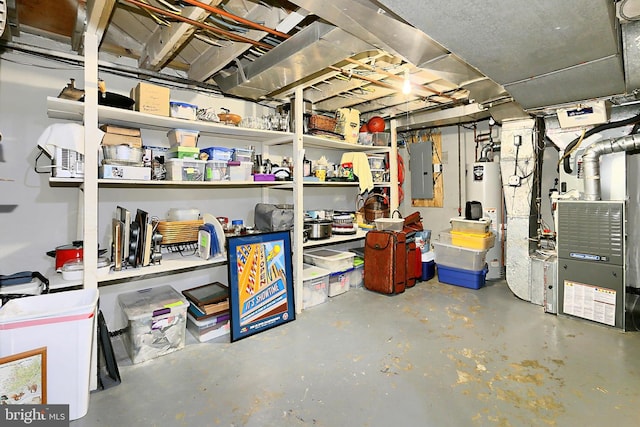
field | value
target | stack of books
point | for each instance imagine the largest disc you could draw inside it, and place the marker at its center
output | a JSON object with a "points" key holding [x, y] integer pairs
{"points": [[208, 312]]}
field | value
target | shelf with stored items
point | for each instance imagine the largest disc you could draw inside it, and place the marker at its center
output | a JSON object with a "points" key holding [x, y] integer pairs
{"points": [[92, 186]]}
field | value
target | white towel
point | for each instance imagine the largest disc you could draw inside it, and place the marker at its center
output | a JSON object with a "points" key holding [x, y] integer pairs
{"points": [[361, 168]]}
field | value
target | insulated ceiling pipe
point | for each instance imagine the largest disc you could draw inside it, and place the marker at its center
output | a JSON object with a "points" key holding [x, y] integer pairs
{"points": [[591, 161]]}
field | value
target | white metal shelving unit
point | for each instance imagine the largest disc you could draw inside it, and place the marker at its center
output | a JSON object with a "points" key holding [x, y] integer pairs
{"points": [[91, 114]]}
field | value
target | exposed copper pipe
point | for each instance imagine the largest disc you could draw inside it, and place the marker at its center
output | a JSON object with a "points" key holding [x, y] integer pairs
{"points": [[396, 77], [236, 18], [199, 24]]}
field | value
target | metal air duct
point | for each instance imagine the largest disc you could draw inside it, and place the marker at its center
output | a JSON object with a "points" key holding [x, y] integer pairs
{"points": [[314, 48], [591, 161]]}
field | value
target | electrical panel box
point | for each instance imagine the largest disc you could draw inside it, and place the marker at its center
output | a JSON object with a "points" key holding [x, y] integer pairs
{"points": [[421, 166]]}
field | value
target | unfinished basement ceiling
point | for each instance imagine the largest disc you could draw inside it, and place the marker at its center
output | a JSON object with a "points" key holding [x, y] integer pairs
{"points": [[465, 60]]}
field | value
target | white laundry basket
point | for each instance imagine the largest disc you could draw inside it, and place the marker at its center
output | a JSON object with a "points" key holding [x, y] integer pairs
{"points": [[64, 323]]}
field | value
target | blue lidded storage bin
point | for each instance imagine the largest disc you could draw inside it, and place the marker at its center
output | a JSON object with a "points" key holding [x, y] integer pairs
{"points": [[466, 278]]}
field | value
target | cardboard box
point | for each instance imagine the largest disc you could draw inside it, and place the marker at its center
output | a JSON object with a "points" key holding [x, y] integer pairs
{"points": [[151, 99], [120, 130], [117, 139], [137, 173]]}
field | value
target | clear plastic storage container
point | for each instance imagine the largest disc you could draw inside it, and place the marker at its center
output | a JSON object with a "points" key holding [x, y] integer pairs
{"points": [[332, 260], [478, 226], [315, 288], [458, 257], [156, 320], [185, 169]]}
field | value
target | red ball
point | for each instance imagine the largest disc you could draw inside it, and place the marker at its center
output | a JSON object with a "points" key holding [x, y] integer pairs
{"points": [[376, 124], [364, 128]]}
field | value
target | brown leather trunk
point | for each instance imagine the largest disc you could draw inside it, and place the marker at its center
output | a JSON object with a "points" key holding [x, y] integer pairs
{"points": [[385, 262], [412, 269]]}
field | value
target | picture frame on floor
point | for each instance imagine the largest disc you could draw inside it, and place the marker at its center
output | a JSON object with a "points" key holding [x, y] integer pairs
{"points": [[260, 282], [23, 378]]}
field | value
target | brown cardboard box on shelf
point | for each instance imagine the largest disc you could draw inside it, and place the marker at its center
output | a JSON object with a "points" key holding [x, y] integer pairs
{"points": [[116, 139], [119, 130], [152, 99]]}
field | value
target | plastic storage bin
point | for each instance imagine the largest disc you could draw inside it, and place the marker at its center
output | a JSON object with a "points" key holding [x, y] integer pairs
{"points": [[315, 287], [380, 138], [457, 257], [242, 155], [185, 169], [240, 171], [214, 328], [216, 170], [480, 226], [357, 275], [468, 240], [180, 152], [218, 153], [332, 260], [64, 323], [183, 137], [340, 282], [376, 162], [460, 277], [156, 322], [182, 110]]}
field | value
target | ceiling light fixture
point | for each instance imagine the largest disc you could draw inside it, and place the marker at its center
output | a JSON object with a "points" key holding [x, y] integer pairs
{"points": [[406, 85]]}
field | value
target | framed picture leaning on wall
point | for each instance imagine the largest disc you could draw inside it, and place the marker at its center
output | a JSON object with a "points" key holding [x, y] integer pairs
{"points": [[260, 282], [23, 378]]}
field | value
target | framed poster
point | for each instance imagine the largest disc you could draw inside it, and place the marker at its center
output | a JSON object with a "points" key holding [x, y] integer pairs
{"points": [[260, 282], [23, 378]]}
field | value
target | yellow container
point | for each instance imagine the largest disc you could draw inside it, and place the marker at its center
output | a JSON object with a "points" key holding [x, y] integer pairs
{"points": [[468, 240]]}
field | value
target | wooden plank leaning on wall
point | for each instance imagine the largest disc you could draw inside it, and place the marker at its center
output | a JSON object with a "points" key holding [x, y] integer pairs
{"points": [[438, 187]]}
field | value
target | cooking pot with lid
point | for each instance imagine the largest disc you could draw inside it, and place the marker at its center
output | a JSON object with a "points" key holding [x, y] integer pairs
{"points": [[65, 253], [318, 228]]}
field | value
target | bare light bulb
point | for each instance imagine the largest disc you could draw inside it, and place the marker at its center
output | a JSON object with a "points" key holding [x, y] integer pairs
{"points": [[406, 85]]}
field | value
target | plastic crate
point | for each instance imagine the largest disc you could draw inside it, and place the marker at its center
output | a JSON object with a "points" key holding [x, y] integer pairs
{"points": [[332, 260], [185, 169], [468, 240], [461, 277], [340, 282], [458, 257], [376, 162], [155, 315], [479, 226], [315, 287]]}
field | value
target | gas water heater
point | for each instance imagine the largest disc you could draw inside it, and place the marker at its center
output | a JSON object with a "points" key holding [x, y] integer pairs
{"points": [[485, 185]]}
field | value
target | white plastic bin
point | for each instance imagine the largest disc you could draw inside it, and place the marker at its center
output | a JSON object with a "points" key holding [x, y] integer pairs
{"points": [[64, 323]]}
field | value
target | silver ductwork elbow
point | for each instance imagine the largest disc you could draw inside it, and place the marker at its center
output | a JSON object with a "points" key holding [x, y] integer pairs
{"points": [[591, 161]]}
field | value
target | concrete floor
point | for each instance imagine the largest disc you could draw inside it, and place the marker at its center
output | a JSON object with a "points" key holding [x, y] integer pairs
{"points": [[437, 355]]}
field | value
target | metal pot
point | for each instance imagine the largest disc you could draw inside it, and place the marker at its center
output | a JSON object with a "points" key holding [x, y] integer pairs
{"points": [[65, 253], [318, 228]]}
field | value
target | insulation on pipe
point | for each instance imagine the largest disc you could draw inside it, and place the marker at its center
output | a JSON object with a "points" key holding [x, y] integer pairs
{"points": [[591, 161]]}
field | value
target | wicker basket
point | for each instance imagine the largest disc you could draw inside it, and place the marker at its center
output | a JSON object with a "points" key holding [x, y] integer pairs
{"points": [[179, 231], [374, 207], [324, 123]]}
